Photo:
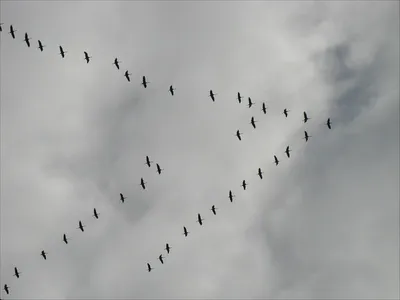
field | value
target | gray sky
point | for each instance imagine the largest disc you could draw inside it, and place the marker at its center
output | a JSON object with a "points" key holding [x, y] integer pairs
{"points": [[322, 224]]}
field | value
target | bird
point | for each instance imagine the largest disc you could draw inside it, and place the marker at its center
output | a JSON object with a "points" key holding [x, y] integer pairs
{"points": [[250, 103], [65, 238], [287, 151], [26, 39], [149, 268], [16, 273], [41, 46], [185, 232], [144, 82], [199, 219], [95, 214], [264, 108], [87, 57], [171, 90], [285, 112], [212, 95], [81, 226], [6, 289], [306, 136], [116, 63], [148, 161], [260, 173], [238, 134], [306, 118], [12, 31], [276, 160], [62, 52], [127, 75], [213, 209], [328, 123], [239, 98], [231, 196], [122, 198], [167, 248], [43, 254], [161, 258], [142, 183], [159, 169], [1, 28], [244, 184], [253, 123]]}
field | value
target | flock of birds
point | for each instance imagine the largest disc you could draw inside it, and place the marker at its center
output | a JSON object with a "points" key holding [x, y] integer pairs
{"points": [[148, 162]]}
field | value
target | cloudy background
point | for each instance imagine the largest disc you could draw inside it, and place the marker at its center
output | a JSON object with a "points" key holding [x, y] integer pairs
{"points": [[322, 224]]}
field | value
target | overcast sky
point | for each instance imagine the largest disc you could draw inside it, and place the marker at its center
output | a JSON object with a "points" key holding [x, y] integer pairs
{"points": [[322, 224]]}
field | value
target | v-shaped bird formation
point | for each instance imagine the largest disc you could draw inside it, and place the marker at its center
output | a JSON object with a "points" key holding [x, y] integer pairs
{"points": [[148, 162]]}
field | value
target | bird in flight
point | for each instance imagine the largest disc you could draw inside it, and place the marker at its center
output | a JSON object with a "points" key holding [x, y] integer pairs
{"points": [[287, 151], [171, 90], [213, 209], [212, 95], [285, 112], [87, 57], [116, 63], [43, 254], [41, 46]]}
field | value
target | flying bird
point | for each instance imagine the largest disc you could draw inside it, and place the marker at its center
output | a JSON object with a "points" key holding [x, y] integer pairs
{"points": [[142, 183], [244, 184], [16, 273], [213, 209], [81, 226], [253, 123], [199, 219], [260, 173], [1, 28], [41, 46], [264, 108], [148, 161], [328, 123], [122, 198], [306, 118], [95, 213], [276, 160], [239, 98], [62, 52], [161, 258], [285, 112], [149, 268], [6, 289], [306, 136], [26, 39], [171, 90], [116, 63], [127, 75], [287, 151], [159, 169], [231, 196], [250, 103], [185, 232], [167, 248], [12, 31], [65, 238], [144, 82], [212, 95], [43, 254], [238, 134], [87, 57]]}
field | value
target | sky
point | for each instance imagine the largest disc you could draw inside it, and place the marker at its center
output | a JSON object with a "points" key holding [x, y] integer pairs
{"points": [[323, 224]]}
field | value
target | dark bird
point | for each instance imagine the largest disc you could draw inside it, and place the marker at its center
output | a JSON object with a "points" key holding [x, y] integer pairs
{"points": [[306, 118], [244, 184], [62, 52], [6, 289], [231, 196], [161, 258], [159, 169], [65, 238], [250, 103], [12, 31], [148, 161], [116, 63], [171, 90], [213, 209], [16, 273], [149, 268], [127, 75], [43, 254], [81, 226], [328, 123], [41, 46], [253, 123], [260, 173], [199, 219], [122, 198], [144, 82], [264, 108], [285, 112], [142, 183], [287, 151], [95, 213], [87, 57], [26, 39], [276, 160], [238, 134], [212, 95], [1, 28], [167, 248], [239, 98], [306, 136], [185, 232]]}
